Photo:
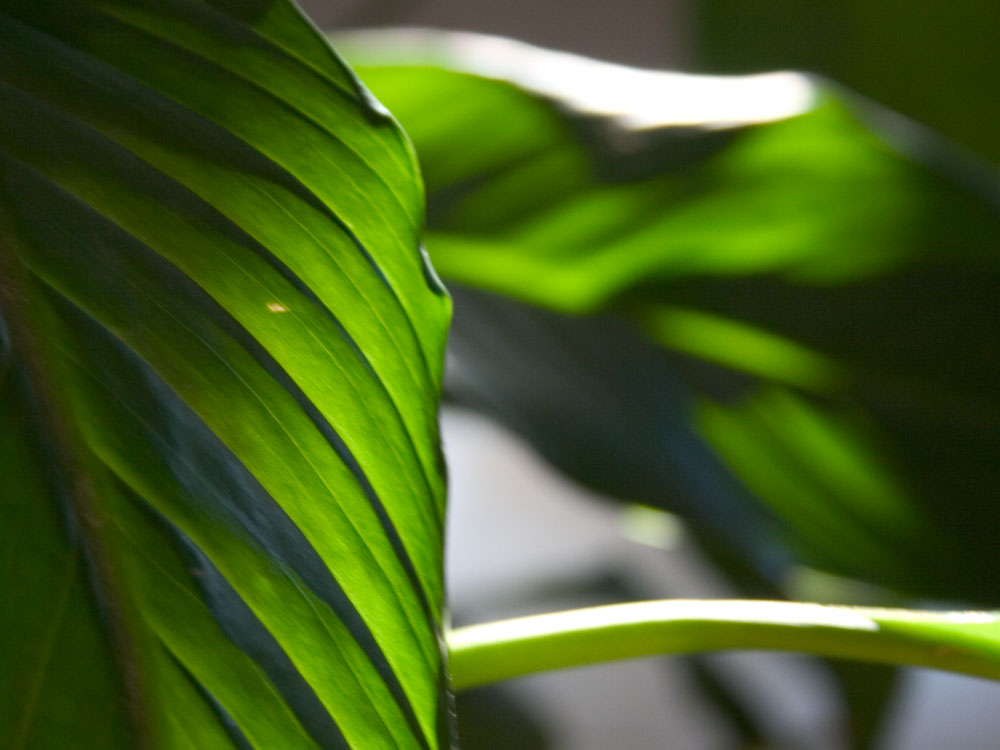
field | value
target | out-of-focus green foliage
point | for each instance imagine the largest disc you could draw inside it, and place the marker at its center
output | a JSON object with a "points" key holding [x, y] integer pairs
{"points": [[220, 355], [936, 62], [780, 325]]}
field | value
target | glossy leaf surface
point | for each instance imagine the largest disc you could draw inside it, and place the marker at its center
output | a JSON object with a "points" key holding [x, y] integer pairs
{"points": [[221, 348], [761, 302]]}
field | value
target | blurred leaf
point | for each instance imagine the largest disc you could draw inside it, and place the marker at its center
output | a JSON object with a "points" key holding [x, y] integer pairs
{"points": [[491, 718], [933, 61], [762, 302], [221, 352], [868, 691]]}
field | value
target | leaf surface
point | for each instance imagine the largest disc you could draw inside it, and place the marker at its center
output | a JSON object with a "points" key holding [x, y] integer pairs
{"points": [[761, 302], [221, 358]]}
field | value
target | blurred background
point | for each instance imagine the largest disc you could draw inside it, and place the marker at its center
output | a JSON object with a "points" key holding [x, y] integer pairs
{"points": [[524, 539], [936, 62]]}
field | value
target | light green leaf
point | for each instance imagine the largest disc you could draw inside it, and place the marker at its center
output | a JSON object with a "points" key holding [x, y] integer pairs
{"points": [[221, 356], [762, 302]]}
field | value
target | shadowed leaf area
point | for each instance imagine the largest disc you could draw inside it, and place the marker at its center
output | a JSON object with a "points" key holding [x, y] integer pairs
{"points": [[764, 303], [220, 357]]}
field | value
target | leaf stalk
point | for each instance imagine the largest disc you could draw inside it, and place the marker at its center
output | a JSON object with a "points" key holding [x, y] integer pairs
{"points": [[964, 642]]}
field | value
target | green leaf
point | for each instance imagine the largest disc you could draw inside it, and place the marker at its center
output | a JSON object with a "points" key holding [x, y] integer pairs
{"points": [[762, 302], [219, 367], [929, 61]]}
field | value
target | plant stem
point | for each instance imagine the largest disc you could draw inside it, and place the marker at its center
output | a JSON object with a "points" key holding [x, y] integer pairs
{"points": [[967, 642]]}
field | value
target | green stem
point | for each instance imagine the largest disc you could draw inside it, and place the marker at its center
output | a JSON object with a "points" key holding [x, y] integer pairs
{"points": [[966, 642]]}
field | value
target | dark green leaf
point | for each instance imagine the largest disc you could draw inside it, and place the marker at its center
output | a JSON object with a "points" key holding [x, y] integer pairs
{"points": [[931, 61], [762, 302], [221, 358]]}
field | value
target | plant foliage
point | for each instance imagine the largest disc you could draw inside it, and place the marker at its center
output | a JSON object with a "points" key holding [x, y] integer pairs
{"points": [[221, 349], [221, 486], [762, 302]]}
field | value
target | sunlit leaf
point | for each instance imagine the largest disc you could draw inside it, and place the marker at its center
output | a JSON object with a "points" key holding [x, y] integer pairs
{"points": [[762, 302], [221, 345]]}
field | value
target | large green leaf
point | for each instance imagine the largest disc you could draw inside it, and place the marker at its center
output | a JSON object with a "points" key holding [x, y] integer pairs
{"points": [[221, 351], [762, 302]]}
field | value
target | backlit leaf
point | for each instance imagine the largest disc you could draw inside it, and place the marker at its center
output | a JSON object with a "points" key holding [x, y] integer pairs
{"points": [[761, 302], [219, 468]]}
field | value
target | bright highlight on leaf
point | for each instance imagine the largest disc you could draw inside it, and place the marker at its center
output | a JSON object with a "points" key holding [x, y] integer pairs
{"points": [[600, 88], [741, 347]]}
